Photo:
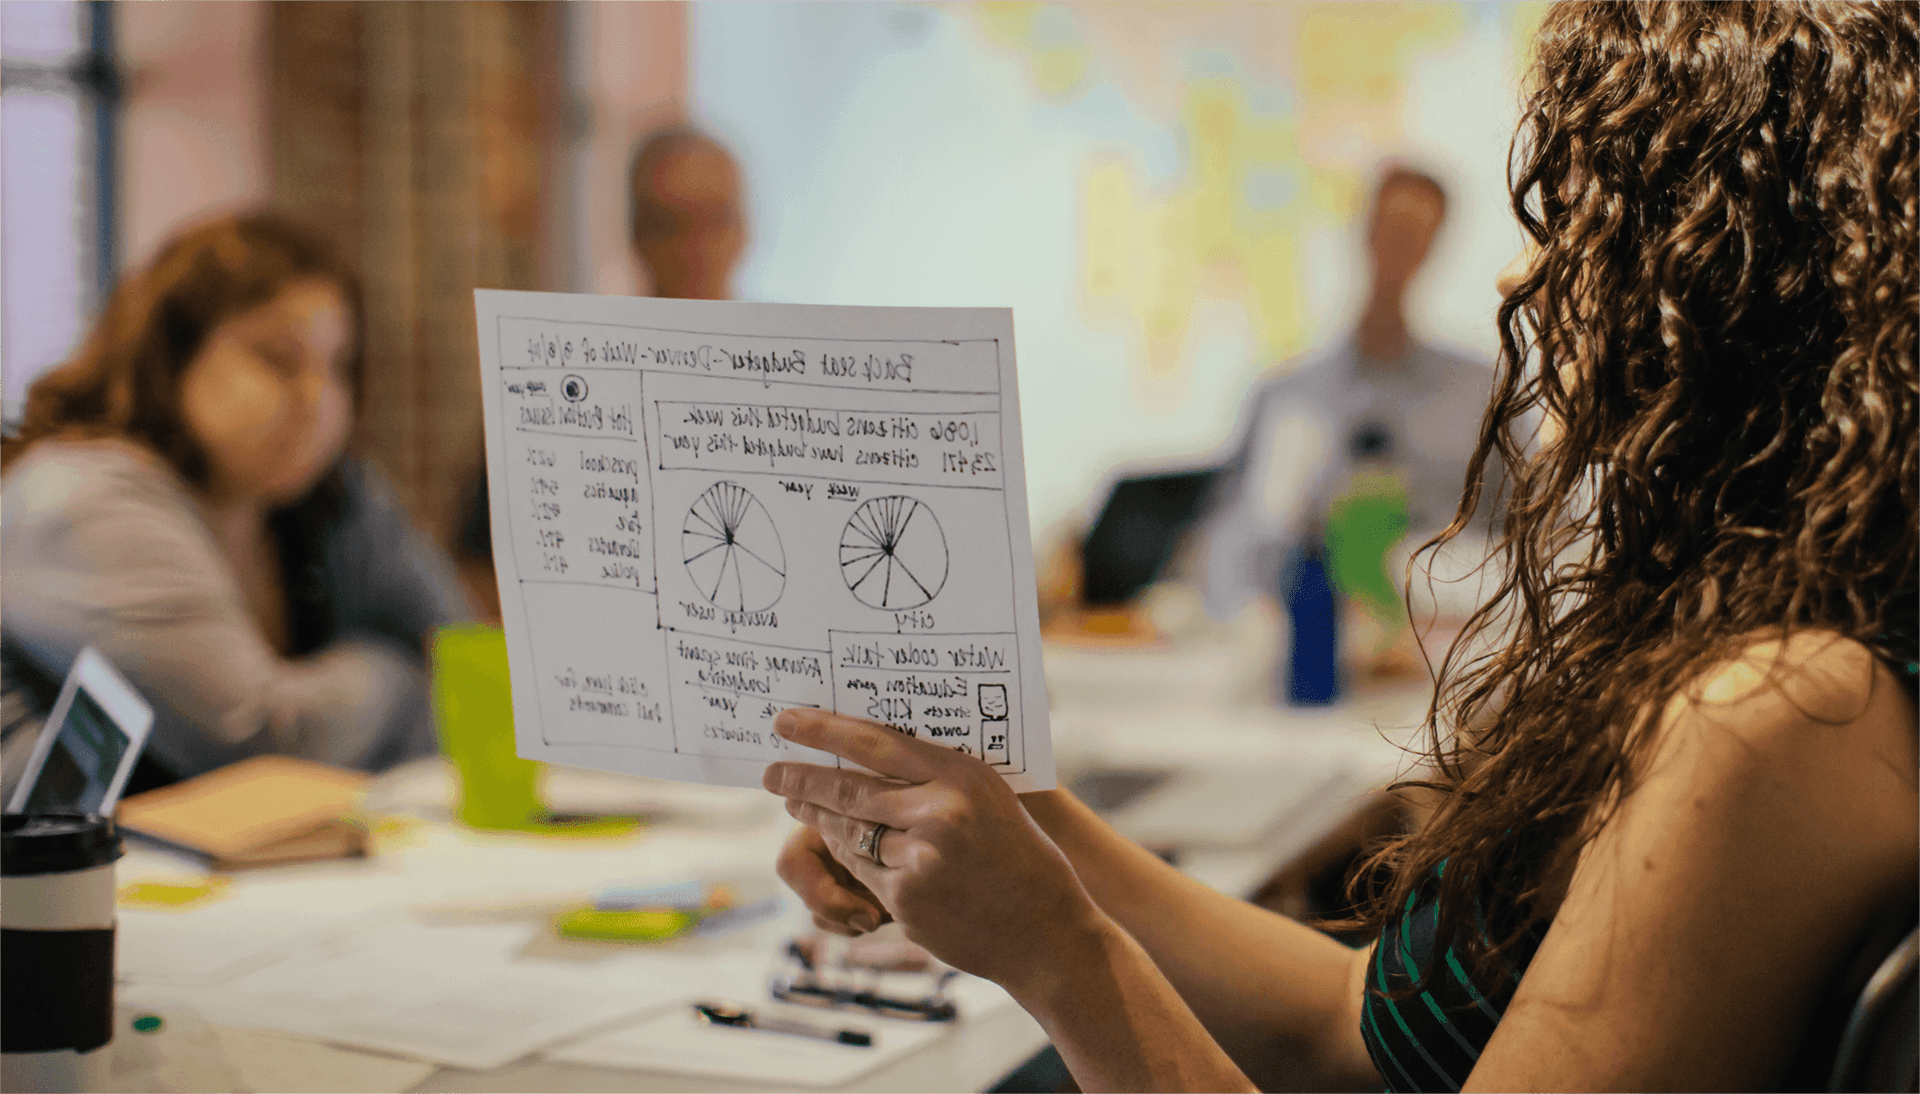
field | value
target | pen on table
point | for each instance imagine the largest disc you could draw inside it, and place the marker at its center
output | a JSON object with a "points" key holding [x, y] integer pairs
{"points": [[720, 1014]]}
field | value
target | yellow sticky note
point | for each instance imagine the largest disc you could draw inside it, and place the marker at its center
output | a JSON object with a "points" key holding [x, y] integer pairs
{"points": [[642, 925], [171, 894]]}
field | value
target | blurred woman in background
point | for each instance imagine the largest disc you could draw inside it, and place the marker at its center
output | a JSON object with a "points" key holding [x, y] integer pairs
{"points": [[180, 496], [1679, 798]]}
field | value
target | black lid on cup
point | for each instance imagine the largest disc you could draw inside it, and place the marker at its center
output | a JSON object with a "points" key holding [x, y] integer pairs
{"points": [[56, 843]]}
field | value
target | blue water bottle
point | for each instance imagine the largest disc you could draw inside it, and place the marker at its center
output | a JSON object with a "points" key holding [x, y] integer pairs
{"points": [[1312, 668]]}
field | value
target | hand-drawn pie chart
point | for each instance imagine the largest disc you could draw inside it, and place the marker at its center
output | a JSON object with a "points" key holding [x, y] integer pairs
{"points": [[893, 555], [732, 550]]}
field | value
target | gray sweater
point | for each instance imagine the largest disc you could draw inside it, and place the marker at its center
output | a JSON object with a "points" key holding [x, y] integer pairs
{"points": [[101, 542]]}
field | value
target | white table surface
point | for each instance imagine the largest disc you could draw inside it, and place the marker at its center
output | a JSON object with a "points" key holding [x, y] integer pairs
{"points": [[1181, 707], [1201, 703]]}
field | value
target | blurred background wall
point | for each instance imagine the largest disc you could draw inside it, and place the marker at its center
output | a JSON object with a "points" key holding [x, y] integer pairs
{"points": [[424, 136], [194, 121], [1166, 194]]}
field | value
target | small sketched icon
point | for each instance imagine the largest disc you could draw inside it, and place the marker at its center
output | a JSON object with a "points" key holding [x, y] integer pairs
{"points": [[573, 389], [993, 725]]}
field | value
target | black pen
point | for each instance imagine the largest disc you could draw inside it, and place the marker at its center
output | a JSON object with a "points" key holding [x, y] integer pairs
{"points": [[720, 1014]]}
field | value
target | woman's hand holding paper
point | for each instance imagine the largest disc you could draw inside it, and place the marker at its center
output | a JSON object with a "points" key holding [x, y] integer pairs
{"points": [[969, 875]]}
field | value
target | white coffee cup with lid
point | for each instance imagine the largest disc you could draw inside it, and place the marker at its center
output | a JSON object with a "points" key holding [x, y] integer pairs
{"points": [[56, 951]]}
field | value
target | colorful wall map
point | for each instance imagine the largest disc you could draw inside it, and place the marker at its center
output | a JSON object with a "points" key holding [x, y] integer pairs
{"points": [[1168, 195]]}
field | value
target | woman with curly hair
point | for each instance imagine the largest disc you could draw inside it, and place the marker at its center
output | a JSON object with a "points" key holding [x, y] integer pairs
{"points": [[180, 495], [1680, 795]]}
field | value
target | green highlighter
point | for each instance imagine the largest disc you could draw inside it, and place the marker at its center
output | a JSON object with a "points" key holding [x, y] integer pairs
{"points": [[626, 925]]}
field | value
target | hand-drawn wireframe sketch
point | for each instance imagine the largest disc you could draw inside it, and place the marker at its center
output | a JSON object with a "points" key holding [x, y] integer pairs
{"points": [[773, 445], [893, 553], [732, 550]]}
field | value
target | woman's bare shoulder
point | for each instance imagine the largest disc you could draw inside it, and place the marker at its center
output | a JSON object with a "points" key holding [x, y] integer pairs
{"points": [[1793, 684], [1812, 714], [1823, 674], [1773, 814]]}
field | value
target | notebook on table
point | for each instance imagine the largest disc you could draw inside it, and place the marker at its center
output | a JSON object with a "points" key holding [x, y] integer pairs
{"points": [[266, 810]]}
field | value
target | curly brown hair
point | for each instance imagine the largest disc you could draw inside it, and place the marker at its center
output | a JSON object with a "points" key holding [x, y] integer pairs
{"points": [[124, 380], [1721, 319]]}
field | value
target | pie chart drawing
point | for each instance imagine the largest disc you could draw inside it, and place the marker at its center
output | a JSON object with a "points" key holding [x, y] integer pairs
{"points": [[732, 550], [893, 554]]}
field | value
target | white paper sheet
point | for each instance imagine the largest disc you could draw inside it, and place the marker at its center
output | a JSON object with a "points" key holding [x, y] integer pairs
{"points": [[465, 996], [216, 942], [706, 512], [674, 1040], [186, 1053]]}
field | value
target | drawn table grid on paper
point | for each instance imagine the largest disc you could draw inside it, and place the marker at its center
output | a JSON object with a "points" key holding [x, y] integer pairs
{"points": [[697, 528]]}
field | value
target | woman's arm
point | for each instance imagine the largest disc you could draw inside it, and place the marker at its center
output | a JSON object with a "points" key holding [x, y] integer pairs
{"points": [[975, 880], [1281, 998], [1776, 818], [970, 876], [1116, 1021]]}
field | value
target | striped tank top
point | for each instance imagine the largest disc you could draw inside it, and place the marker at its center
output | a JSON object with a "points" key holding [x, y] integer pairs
{"points": [[1431, 1041]]}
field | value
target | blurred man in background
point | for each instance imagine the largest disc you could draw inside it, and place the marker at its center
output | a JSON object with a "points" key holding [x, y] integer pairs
{"points": [[688, 227], [1365, 440], [688, 231]]}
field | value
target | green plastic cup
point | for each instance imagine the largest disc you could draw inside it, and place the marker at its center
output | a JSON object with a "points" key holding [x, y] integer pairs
{"points": [[473, 706]]}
